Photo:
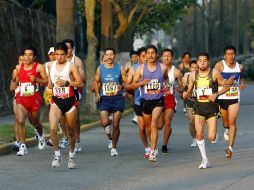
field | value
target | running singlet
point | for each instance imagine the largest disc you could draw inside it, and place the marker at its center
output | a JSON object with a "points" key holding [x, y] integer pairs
{"points": [[204, 86], [64, 74], [27, 87], [234, 91], [137, 90], [171, 82], [153, 90], [110, 79], [185, 69]]}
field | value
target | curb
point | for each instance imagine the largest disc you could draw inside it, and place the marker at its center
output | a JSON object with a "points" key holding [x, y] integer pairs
{"points": [[30, 142]]}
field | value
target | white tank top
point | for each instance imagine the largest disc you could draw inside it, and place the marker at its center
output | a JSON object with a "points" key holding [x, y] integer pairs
{"points": [[234, 90], [171, 80]]}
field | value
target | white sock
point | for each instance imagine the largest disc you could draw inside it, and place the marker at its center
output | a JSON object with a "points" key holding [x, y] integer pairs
{"points": [[230, 148], [201, 146], [108, 129], [57, 153], [226, 130], [71, 154]]}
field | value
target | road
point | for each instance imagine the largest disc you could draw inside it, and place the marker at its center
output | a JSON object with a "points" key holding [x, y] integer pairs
{"points": [[96, 170]]}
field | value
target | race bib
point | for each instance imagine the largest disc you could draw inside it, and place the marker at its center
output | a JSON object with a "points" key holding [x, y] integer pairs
{"points": [[109, 88], [61, 92], [233, 90], [203, 93], [27, 89], [170, 90], [153, 87]]}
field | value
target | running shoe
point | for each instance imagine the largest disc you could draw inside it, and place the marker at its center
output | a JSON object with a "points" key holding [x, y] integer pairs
{"points": [[49, 142], [56, 161], [42, 142], [194, 143], [226, 135], [153, 155], [204, 164], [71, 163], [110, 144], [164, 149], [113, 152], [22, 150], [147, 153], [135, 119], [229, 152], [16, 146], [63, 143], [216, 139], [36, 134], [78, 147]]}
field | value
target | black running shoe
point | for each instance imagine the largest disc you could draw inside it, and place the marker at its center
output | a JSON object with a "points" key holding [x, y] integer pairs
{"points": [[164, 149]]}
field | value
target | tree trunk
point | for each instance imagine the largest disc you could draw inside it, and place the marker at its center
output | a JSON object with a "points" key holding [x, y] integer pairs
{"points": [[195, 43], [246, 29], [91, 53], [65, 19], [106, 24], [221, 34]]}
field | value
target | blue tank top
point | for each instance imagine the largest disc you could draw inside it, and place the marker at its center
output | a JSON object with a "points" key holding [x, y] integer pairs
{"points": [[110, 79], [153, 90], [137, 95]]}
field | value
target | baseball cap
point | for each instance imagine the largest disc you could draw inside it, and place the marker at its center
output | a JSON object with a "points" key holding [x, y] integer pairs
{"points": [[51, 50]]}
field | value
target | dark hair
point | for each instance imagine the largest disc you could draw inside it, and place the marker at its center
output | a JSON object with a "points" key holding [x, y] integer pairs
{"points": [[152, 47], [70, 41], [112, 49], [61, 46], [31, 48], [203, 54], [21, 53], [193, 62], [186, 53], [169, 50], [140, 50], [230, 47], [133, 53]]}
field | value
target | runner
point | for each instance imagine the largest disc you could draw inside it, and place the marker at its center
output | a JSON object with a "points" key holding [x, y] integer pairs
{"points": [[110, 77], [150, 77], [137, 105], [134, 60], [169, 96], [15, 87], [29, 101], [78, 91], [63, 76], [206, 82], [190, 101], [230, 101]]}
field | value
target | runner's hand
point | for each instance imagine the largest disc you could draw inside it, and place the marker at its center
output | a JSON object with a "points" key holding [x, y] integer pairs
{"points": [[32, 78], [144, 82], [60, 82], [212, 97], [98, 98], [242, 86]]}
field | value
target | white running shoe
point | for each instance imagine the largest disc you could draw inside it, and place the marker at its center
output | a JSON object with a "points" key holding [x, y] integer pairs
{"points": [[113, 152], [22, 150], [42, 142], [71, 163], [216, 139], [226, 135], [153, 155], [78, 147], [194, 143], [110, 144], [56, 161], [63, 143], [135, 119], [147, 153], [204, 164]]}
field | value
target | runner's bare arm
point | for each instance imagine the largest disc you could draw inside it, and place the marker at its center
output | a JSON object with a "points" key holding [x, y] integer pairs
{"points": [[242, 85], [13, 84], [190, 86], [50, 85], [179, 76], [219, 66], [221, 82], [136, 83], [41, 70], [78, 82], [96, 82], [81, 68], [130, 76]]}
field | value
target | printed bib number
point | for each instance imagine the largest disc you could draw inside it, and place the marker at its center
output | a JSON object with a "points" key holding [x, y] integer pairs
{"points": [[153, 87], [109, 89], [233, 91], [27, 89], [203, 93], [170, 90], [61, 92]]}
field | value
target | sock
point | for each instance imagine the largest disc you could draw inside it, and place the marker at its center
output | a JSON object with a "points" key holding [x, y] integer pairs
{"points": [[226, 130], [57, 153], [201, 146], [71, 154], [230, 148], [107, 130]]}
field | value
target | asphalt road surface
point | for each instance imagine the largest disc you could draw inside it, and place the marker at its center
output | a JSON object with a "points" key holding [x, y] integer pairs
{"points": [[96, 169]]}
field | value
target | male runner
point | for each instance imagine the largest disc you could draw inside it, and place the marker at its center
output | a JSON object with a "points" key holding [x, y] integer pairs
{"points": [[63, 77], [110, 77], [206, 82], [30, 75], [150, 78], [230, 101]]}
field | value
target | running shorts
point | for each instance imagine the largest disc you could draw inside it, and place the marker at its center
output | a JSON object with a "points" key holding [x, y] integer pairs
{"points": [[224, 104], [112, 104], [138, 110], [65, 105], [149, 105], [189, 104], [30, 103], [206, 110], [169, 102]]}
